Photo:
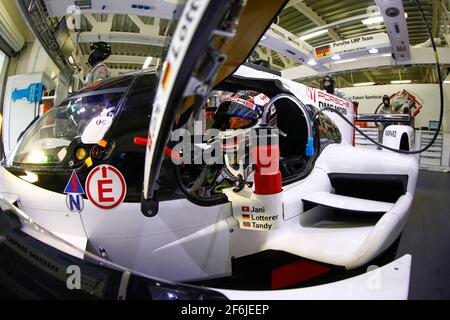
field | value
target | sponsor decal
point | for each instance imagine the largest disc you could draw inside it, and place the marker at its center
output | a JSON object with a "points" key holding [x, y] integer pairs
{"points": [[311, 93], [390, 133], [106, 187], [74, 191], [100, 122], [331, 101]]}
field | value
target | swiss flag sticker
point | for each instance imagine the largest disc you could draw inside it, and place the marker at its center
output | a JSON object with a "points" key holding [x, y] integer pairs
{"points": [[245, 209]]}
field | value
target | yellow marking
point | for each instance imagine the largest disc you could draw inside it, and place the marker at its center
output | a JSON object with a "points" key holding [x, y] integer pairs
{"points": [[102, 143], [88, 162]]}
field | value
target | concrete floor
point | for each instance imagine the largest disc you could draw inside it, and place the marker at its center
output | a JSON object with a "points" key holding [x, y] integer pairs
{"points": [[427, 237]]}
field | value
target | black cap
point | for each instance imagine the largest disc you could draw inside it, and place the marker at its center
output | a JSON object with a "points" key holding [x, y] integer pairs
{"points": [[100, 51], [327, 77]]}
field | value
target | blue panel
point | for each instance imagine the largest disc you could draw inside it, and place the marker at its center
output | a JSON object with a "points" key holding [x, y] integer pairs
{"points": [[33, 94]]}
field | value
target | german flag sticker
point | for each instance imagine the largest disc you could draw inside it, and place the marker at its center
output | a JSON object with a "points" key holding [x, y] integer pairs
{"points": [[322, 52], [166, 77], [245, 216]]}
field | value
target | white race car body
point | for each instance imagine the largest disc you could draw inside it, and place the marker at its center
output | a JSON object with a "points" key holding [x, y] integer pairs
{"points": [[345, 208]]}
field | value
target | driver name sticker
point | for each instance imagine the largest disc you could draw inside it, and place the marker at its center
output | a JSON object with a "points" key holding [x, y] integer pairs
{"points": [[96, 129], [74, 191], [259, 222], [106, 187]]}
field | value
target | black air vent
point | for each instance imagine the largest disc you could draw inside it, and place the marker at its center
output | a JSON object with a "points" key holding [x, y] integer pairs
{"points": [[378, 187]]}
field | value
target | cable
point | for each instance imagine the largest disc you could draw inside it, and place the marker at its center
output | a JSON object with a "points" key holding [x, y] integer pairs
{"points": [[441, 96]]}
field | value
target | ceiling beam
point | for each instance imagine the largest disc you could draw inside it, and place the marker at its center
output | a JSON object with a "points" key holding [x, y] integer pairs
{"points": [[123, 37], [287, 44], [144, 28], [167, 9], [315, 18], [99, 26], [346, 82], [426, 77], [285, 61], [341, 22], [369, 76], [293, 3], [126, 59], [419, 56], [262, 55], [436, 18]]}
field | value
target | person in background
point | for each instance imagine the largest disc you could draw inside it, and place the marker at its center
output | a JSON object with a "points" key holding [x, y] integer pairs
{"points": [[386, 107], [328, 85], [100, 51]]}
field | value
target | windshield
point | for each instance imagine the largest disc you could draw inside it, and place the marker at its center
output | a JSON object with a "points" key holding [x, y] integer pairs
{"points": [[87, 117]]}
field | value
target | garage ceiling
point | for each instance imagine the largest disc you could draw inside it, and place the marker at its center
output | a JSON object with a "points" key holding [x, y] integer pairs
{"points": [[342, 19]]}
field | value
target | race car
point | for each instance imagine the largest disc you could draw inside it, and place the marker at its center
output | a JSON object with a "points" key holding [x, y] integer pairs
{"points": [[92, 178]]}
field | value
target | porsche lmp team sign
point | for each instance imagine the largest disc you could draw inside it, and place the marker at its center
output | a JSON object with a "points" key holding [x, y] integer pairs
{"points": [[354, 45]]}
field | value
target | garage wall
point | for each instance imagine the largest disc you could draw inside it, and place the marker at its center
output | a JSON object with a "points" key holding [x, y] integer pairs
{"points": [[428, 94], [34, 59]]}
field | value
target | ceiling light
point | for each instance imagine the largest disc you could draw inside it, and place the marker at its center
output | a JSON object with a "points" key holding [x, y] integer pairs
{"points": [[363, 84], [387, 55], [344, 61], [447, 81], [373, 51], [372, 20], [312, 62], [401, 81], [376, 19], [71, 60], [336, 57], [147, 62], [313, 34]]}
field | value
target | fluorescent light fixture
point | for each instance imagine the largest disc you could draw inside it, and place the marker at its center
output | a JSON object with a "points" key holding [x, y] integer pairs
{"points": [[363, 84], [336, 57], [372, 20], [447, 81], [401, 81], [147, 62], [376, 19], [313, 34], [387, 55], [312, 62], [344, 61], [71, 60], [373, 51]]}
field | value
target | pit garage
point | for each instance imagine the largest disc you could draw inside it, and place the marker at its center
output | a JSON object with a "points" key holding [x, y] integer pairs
{"points": [[199, 149]]}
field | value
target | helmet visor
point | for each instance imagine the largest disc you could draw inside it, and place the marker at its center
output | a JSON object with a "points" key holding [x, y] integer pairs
{"points": [[235, 107], [231, 108]]}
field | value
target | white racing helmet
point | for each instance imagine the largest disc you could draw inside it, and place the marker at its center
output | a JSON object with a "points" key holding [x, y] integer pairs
{"points": [[235, 117]]}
